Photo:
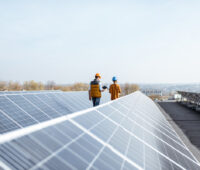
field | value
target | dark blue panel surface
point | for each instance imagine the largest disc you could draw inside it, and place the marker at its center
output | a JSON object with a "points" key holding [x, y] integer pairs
{"points": [[15, 113], [29, 108]]}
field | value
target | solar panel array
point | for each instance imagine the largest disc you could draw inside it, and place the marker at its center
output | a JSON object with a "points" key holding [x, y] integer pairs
{"points": [[128, 133], [25, 108]]}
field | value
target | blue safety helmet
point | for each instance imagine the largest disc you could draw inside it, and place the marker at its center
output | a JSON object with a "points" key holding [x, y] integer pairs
{"points": [[114, 78]]}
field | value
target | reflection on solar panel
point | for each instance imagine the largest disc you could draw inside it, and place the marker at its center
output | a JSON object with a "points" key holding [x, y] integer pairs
{"points": [[128, 133], [25, 108]]}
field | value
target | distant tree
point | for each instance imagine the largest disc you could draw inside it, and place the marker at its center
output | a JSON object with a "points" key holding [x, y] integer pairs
{"points": [[73, 87], [155, 97], [129, 88], [62, 87], [32, 85], [3, 85], [14, 86], [50, 85], [80, 87], [40, 86], [26, 85]]}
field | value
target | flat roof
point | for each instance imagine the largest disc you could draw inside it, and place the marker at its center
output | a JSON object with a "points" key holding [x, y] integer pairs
{"points": [[186, 123]]}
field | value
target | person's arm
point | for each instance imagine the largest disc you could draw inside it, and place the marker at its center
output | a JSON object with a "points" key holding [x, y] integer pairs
{"points": [[89, 93], [110, 89], [100, 88], [120, 90]]}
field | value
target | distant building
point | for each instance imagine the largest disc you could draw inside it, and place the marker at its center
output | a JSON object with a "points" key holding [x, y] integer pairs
{"points": [[150, 92], [177, 96]]}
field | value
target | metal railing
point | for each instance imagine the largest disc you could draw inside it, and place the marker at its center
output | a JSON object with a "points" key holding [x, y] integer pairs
{"points": [[190, 99]]}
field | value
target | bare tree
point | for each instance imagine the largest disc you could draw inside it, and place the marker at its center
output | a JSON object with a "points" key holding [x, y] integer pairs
{"points": [[3, 85], [50, 85], [129, 88], [32, 85], [40, 86], [79, 87], [14, 86]]}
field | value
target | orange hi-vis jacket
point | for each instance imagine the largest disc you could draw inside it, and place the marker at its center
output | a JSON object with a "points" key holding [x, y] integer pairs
{"points": [[95, 89], [114, 91]]}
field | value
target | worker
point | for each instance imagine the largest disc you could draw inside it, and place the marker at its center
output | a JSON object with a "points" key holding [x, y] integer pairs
{"points": [[114, 89], [95, 90]]}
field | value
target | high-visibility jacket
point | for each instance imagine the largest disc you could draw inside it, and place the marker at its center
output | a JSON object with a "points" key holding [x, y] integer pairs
{"points": [[95, 88], [114, 90]]}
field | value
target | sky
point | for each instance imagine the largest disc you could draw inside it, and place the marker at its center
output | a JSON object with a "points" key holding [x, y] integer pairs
{"points": [[139, 41]]}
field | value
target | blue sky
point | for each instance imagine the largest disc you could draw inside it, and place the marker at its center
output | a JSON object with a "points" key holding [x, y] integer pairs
{"points": [[141, 41]]}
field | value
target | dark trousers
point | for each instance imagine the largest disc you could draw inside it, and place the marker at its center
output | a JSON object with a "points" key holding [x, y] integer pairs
{"points": [[96, 101]]}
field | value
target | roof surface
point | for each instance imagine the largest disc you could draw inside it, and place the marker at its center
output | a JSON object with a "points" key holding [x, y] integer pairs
{"points": [[187, 121]]}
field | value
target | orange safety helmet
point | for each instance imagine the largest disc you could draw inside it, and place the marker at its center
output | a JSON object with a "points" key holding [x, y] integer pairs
{"points": [[98, 75]]}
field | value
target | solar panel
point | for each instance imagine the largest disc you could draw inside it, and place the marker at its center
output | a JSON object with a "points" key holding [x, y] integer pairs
{"points": [[25, 108], [24, 92], [128, 133]]}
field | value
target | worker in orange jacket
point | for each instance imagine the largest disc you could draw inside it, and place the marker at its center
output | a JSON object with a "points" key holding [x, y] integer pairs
{"points": [[95, 90], [114, 89]]}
